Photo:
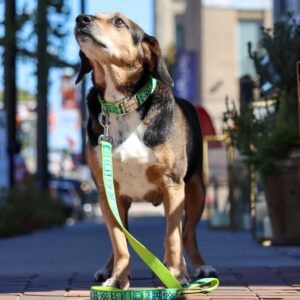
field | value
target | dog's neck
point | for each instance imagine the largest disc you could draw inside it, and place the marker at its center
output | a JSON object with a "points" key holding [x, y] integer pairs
{"points": [[111, 92], [116, 84]]}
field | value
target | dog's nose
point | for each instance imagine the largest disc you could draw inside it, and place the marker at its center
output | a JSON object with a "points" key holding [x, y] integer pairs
{"points": [[84, 19]]}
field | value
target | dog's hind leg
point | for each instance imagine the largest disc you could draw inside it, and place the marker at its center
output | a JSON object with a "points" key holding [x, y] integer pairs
{"points": [[194, 206]]}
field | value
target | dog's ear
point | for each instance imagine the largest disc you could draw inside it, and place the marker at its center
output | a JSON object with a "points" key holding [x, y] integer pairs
{"points": [[154, 60], [85, 67]]}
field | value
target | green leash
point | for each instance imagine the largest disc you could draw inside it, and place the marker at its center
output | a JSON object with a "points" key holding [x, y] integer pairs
{"points": [[174, 288]]}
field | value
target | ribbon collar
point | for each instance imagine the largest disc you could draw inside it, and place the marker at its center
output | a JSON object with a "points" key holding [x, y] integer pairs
{"points": [[132, 103]]}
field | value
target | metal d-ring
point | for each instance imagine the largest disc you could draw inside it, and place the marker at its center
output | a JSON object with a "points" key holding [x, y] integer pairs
{"points": [[104, 122]]}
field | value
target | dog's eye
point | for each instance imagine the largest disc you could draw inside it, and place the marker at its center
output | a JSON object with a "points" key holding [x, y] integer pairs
{"points": [[118, 22]]}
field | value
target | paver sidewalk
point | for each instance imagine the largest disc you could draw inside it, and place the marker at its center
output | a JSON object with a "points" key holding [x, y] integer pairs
{"points": [[236, 283], [59, 263]]}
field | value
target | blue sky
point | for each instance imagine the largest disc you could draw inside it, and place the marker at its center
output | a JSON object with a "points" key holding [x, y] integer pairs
{"points": [[239, 4], [140, 11]]}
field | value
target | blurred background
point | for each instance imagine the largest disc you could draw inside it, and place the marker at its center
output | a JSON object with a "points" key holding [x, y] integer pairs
{"points": [[218, 55]]}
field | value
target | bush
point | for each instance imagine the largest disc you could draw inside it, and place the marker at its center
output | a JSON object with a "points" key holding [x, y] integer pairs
{"points": [[262, 141], [26, 210]]}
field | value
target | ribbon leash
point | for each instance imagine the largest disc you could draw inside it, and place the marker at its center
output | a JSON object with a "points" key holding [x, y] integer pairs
{"points": [[174, 288]]}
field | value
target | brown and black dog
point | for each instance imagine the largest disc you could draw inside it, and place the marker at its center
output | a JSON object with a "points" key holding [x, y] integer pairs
{"points": [[157, 147]]}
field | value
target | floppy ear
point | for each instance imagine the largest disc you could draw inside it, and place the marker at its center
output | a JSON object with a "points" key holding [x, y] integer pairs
{"points": [[85, 67], [154, 60]]}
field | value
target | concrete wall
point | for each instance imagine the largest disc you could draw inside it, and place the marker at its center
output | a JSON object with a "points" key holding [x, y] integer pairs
{"points": [[219, 61]]}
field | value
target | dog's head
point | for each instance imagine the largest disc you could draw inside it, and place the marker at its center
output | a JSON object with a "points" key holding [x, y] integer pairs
{"points": [[114, 41]]}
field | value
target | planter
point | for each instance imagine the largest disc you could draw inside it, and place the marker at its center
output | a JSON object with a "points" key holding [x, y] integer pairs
{"points": [[282, 190]]}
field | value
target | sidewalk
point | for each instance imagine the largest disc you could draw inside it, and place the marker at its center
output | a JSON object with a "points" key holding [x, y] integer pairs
{"points": [[59, 264]]}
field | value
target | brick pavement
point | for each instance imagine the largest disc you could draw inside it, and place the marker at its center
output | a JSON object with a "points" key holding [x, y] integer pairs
{"points": [[59, 263], [250, 283]]}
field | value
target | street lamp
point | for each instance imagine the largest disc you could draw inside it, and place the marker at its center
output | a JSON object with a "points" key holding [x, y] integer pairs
{"points": [[83, 105]]}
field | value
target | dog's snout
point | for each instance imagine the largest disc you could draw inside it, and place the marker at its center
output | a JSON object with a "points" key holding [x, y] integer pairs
{"points": [[84, 19]]}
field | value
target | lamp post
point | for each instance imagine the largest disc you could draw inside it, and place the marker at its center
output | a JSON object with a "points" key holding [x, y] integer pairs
{"points": [[10, 97], [42, 100], [83, 105]]}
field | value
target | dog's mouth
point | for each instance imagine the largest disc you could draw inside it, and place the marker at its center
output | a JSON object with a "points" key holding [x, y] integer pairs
{"points": [[83, 34]]}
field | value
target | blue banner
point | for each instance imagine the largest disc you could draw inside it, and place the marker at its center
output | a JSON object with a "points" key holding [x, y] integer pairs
{"points": [[185, 75]]}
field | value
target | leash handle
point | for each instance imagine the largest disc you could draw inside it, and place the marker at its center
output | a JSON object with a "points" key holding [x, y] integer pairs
{"points": [[203, 285]]}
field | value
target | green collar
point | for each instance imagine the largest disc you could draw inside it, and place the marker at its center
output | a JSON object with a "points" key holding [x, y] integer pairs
{"points": [[132, 103]]}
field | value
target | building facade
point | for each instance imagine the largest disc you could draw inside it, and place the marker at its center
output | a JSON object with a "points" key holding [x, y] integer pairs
{"points": [[217, 32], [168, 22]]}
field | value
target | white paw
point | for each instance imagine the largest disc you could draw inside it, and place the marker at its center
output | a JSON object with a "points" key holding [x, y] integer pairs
{"points": [[102, 274], [184, 281], [205, 271], [121, 282]]}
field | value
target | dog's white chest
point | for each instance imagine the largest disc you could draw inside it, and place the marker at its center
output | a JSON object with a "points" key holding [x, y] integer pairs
{"points": [[131, 157]]}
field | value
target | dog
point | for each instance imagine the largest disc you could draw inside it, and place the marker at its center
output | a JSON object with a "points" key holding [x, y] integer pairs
{"points": [[157, 144]]}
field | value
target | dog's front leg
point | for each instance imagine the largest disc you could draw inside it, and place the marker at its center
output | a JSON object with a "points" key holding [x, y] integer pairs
{"points": [[121, 270], [173, 204]]}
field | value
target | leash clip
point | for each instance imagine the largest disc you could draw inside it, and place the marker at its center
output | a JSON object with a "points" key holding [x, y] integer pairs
{"points": [[104, 122]]}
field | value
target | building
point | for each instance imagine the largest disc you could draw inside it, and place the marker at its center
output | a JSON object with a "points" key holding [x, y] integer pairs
{"points": [[215, 33], [169, 22]]}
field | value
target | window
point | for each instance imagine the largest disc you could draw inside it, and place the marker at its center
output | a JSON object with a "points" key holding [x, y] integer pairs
{"points": [[248, 31], [179, 31]]}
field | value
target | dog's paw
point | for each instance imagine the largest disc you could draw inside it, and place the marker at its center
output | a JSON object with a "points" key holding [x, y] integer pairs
{"points": [[184, 280], [121, 282], [181, 275], [102, 274], [205, 271]]}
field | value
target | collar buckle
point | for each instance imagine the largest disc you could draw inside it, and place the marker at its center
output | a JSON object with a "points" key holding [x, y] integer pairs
{"points": [[130, 105]]}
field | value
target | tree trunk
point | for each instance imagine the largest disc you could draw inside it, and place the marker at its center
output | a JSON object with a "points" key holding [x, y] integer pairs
{"points": [[42, 100], [10, 95]]}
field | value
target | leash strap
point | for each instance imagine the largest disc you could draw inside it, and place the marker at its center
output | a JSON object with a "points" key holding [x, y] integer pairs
{"points": [[174, 288]]}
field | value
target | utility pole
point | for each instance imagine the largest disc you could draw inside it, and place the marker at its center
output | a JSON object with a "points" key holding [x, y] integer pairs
{"points": [[42, 99], [10, 94], [83, 107]]}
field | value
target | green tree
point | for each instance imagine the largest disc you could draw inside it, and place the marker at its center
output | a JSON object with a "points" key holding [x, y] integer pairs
{"points": [[40, 36], [22, 96], [49, 28]]}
